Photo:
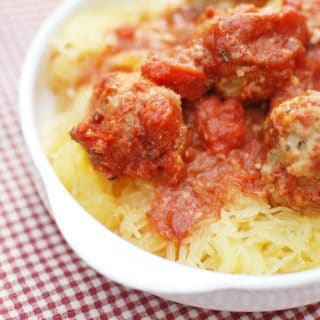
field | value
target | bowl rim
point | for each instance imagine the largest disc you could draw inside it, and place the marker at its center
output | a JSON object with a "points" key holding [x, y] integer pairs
{"points": [[167, 277]]}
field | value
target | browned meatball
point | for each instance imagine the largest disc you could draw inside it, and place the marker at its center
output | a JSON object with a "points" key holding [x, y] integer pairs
{"points": [[178, 70], [292, 169], [253, 52], [135, 128]]}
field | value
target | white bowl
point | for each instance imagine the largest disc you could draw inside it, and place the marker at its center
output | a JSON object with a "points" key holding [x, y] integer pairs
{"points": [[114, 257]]}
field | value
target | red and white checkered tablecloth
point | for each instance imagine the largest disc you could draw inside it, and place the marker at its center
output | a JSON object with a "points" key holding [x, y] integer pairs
{"points": [[40, 276]]}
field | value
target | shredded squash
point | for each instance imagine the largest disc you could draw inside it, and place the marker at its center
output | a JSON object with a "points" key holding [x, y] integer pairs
{"points": [[251, 237]]}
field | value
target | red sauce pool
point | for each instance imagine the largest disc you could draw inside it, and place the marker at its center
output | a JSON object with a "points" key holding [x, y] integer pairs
{"points": [[209, 178]]}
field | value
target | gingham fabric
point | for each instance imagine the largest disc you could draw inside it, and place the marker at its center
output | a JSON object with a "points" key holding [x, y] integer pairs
{"points": [[40, 276]]}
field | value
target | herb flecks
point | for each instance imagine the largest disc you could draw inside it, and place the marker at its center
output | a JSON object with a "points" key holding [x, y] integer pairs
{"points": [[225, 55]]}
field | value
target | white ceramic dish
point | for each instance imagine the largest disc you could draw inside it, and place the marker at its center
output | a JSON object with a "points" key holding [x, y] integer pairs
{"points": [[118, 259]]}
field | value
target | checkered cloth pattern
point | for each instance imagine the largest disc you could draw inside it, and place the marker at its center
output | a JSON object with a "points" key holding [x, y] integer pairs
{"points": [[40, 276]]}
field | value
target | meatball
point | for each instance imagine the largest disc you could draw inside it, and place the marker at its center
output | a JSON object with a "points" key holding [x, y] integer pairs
{"points": [[292, 168], [135, 128], [253, 52], [178, 70]]}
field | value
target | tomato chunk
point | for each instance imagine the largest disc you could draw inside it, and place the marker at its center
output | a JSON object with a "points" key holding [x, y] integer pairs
{"points": [[220, 124]]}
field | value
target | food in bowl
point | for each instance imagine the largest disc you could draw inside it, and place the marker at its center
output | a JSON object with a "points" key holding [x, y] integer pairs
{"points": [[191, 129]]}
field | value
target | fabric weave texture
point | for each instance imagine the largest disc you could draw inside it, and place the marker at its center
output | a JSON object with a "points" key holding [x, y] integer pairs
{"points": [[40, 276]]}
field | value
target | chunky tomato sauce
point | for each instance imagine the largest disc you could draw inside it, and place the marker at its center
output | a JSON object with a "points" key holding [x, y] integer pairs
{"points": [[196, 115], [209, 177]]}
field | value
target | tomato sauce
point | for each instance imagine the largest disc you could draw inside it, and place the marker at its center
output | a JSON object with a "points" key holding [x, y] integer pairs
{"points": [[175, 27], [193, 123], [210, 177], [220, 124], [134, 128]]}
